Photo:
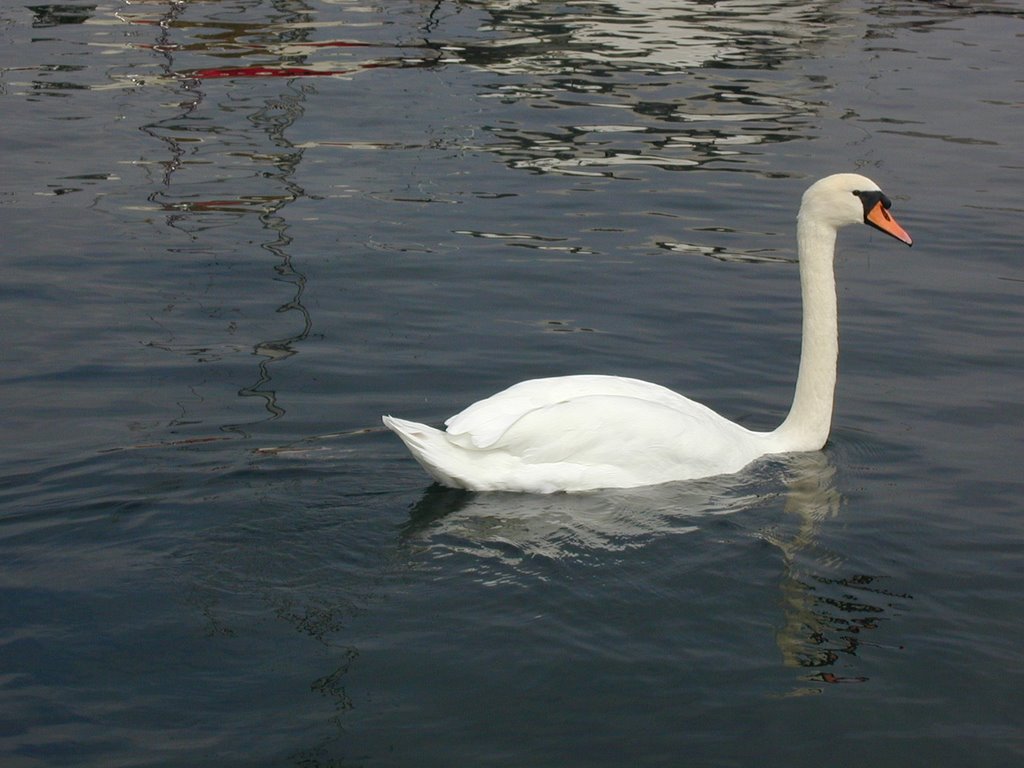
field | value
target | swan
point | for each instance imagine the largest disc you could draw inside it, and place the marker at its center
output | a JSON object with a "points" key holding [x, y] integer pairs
{"points": [[587, 432]]}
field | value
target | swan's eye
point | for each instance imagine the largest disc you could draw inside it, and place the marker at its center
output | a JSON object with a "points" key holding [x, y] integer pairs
{"points": [[872, 198]]}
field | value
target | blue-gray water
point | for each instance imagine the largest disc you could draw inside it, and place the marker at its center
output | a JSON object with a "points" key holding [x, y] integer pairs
{"points": [[235, 233]]}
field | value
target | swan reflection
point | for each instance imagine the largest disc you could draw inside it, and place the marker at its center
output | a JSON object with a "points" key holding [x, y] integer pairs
{"points": [[562, 525], [825, 612]]}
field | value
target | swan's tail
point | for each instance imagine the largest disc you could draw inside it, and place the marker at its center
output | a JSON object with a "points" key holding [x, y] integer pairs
{"points": [[429, 446]]}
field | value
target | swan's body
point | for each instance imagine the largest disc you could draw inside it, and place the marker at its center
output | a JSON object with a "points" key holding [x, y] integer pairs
{"points": [[577, 433]]}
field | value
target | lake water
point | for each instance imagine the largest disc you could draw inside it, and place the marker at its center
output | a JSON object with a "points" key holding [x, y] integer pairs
{"points": [[236, 233]]}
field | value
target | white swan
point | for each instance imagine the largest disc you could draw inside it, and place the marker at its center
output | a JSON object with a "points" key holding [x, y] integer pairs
{"points": [[578, 433]]}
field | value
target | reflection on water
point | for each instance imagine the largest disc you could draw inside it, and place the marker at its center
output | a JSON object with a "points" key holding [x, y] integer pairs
{"points": [[522, 526], [198, 191], [583, 59], [826, 613], [651, 35], [569, 58], [577, 62]]}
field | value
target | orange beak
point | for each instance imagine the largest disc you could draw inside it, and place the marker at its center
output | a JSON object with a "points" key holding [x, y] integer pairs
{"points": [[879, 218]]}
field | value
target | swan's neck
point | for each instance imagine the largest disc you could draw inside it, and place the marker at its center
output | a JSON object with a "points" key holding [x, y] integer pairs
{"points": [[807, 426]]}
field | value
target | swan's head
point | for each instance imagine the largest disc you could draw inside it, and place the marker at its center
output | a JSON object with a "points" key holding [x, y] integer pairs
{"points": [[849, 198]]}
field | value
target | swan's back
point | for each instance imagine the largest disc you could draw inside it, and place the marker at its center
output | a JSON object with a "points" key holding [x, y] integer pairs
{"points": [[483, 423]]}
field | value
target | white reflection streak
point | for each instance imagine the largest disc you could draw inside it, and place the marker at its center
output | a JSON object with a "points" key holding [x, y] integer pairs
{"points": [[659, 34]]}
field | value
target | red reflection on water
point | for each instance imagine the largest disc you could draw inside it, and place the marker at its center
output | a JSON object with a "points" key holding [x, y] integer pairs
{"points": [[210, 73], [214, 72], [828, 677]]}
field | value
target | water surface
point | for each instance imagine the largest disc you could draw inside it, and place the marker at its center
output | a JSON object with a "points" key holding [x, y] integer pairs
{"points": [[235, 233]]}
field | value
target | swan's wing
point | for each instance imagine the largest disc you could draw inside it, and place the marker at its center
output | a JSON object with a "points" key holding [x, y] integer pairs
{"points": [[483, 423], [631, 434]]}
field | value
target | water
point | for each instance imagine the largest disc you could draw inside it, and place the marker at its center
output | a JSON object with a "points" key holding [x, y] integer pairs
{"points": [[235, 233]]}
